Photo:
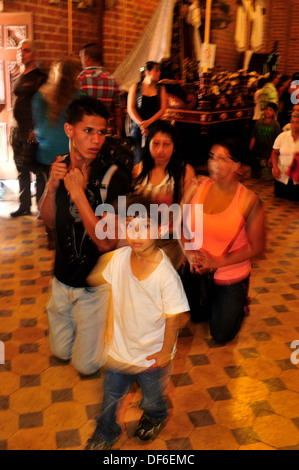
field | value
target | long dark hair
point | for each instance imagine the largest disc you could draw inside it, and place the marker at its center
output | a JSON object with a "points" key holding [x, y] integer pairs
{"points": [[61, 86], [236, 148], [176, 166]]}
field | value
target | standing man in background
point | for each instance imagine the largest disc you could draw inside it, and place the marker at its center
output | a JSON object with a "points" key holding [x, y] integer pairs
{"points": [[27, 85], [269, 93], [96, 82]]}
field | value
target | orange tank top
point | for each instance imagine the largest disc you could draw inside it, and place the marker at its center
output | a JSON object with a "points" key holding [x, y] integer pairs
{"points": [[223, 232]]}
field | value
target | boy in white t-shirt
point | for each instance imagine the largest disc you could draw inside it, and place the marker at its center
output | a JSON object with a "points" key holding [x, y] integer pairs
{"points": [[147, 297]]}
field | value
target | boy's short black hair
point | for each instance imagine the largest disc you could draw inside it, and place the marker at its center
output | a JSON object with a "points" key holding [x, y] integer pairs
{"points": [[85, 105], [273, 106], [273, 74], [262, 81], [138, 205], [132, 200]]}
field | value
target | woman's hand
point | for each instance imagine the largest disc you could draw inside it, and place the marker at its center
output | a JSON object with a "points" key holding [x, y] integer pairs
{"points": [[207, 262], [202, 261], [193, 260], [143, 126]]}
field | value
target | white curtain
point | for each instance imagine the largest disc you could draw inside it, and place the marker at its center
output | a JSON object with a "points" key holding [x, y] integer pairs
{"points": [[154, 44]]}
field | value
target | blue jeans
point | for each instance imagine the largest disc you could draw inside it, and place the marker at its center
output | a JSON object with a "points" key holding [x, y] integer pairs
{"points": [[153, 383], [227, 313], [137, 139], [77, 321]]}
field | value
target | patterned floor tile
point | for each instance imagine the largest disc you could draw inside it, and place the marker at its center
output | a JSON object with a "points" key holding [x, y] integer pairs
{"points": [[242, 395], [219, 393], [179, 444], [65, 394], [275, 384], [201, 418], [272, 321], [31, 420], [180, 380], [276, 430], [245, 436], [66, 439], [235, 371], [261, 408], [199, 359], [249, 352]]}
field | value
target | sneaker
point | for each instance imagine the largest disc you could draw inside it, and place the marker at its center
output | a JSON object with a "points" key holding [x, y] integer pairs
{"points": [[149, 428], [19, 212], [97, 443]]}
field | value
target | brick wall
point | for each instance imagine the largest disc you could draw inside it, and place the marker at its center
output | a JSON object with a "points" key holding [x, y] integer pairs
{"points": [[124, 23], [281, 24], [227, 57], [122, 26], [51, 26], [284, 27]]}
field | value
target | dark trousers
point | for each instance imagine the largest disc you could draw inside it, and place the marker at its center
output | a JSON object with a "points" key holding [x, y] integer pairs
{"points": [[287, 191], [24, 179], [223, 306], [228, 310], [18, 140]]}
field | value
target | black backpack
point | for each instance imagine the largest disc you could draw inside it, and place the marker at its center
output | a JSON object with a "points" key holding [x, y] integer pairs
{"points": [[118, 151]]}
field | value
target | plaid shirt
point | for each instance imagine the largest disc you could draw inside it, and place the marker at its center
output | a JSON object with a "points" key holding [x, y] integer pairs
{"points": [[98, 83]]}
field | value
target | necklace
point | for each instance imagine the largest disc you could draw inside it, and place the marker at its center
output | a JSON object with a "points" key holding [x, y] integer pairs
{"points": [[78, 253]]}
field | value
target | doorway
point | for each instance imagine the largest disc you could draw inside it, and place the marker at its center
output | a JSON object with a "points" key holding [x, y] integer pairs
{"points": [[13, 28]]}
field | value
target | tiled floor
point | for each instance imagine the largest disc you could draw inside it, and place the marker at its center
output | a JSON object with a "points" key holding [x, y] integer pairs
{"points": [[244, 395]]}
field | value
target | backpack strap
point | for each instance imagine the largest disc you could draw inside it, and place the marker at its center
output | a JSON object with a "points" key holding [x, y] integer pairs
{"points": [[138, 99], [106, 181]]}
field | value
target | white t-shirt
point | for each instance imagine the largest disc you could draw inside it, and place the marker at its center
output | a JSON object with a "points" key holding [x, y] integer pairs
{"points": [[287, 148], [140, 307]]}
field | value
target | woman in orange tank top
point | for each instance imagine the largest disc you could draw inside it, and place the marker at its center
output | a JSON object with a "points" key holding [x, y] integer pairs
{"points": [[232, 232]]}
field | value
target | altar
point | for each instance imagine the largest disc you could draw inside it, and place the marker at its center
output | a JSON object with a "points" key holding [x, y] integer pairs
{"points": [[204, 102], [208, 118]]}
